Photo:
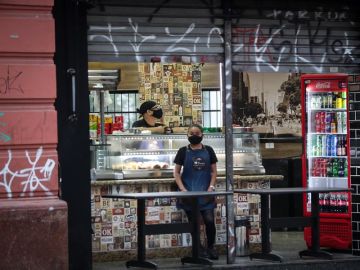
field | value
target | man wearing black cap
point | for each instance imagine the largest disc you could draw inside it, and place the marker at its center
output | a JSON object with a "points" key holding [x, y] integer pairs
{"points": [[150, 113]]}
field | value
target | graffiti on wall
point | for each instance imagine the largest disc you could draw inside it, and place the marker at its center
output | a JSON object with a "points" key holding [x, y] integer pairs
{"points": [[9, 82], [287, 38], [31, 178]]}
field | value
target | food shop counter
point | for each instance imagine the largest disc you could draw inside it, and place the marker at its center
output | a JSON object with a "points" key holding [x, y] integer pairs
{"points": [[114, 220]]}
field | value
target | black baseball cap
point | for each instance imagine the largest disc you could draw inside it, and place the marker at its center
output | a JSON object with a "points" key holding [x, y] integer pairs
{"points": [[147, 105]]}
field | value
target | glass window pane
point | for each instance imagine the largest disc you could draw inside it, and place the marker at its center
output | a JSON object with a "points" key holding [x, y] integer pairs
{"points": [[118, 102], [125, 102], [206, 101], [111, 106], [214, 122], [213, 100], [132, 102], [206, 119]]}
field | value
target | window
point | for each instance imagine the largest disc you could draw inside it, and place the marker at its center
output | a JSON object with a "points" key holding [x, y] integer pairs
{"points": [[121, 104], [211, 108]]}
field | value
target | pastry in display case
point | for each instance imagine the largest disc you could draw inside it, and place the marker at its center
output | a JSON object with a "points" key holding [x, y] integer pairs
{"points": [[151, 155]]}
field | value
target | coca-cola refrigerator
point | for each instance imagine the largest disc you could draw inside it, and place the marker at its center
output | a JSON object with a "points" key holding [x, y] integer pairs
{"points": [[326, 155]]}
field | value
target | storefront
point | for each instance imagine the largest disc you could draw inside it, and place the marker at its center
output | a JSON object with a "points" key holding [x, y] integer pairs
{"points": [[246, 42]]}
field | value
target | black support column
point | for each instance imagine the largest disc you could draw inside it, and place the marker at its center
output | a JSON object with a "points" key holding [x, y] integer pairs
{"points": [[72, 105]]}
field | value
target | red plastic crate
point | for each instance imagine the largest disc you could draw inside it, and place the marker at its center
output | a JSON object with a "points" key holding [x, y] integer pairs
{"points": [[334, 233]]}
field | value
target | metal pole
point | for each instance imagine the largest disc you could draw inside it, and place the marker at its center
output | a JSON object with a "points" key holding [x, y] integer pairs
{"points": [[102, 118], [227, 109]]}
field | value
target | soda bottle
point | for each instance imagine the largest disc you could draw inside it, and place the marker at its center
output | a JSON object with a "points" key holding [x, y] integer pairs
{"points": [[339, 128], [317, 122], [345, 168], [323, 101], [333, 145], [329, 100], [341, 169], [327, 122], [322, 122], [343, 122], [332, 206], [326, 202], [338, 101], [329, 168], [335, 170], [334, 100], [313, 102], [332, 123], [319, 145], [338, 146], [344, 101], [343, 146], [328, 145], [341, 203], [323, 144]]}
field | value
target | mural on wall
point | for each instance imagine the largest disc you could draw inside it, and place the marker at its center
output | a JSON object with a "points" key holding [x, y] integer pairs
{"points": [[176, 87], [35, 175], [270, 103]]}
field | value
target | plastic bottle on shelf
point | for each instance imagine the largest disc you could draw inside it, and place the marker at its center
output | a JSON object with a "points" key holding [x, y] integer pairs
{"points": [[334, 100], [338, 147], [317, 122], [345, 168], [339, 128], [341, 169], [329, 100], [343, 122], [332, 203], [332, 123], [335, 168], [327, 122], [329, 168], [344, 101], [323, 144], [328, 145], [338, 101]]}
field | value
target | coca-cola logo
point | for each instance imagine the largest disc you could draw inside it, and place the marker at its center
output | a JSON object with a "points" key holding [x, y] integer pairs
{"points": [[322, 85]]}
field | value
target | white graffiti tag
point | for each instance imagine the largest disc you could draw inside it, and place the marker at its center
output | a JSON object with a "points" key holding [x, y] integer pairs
{"points": [[261, 51], [32, 178], [108, 37], [182, 38], [136, 44]]}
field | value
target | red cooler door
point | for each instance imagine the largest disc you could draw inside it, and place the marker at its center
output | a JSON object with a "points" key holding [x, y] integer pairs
{"points": [[326, 160]]}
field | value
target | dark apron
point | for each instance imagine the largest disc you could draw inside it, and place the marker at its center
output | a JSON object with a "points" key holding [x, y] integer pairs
{"points": [[196, 176]]}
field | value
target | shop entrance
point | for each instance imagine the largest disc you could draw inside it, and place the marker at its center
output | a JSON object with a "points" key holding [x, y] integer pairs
{"points": [[153, 34]]}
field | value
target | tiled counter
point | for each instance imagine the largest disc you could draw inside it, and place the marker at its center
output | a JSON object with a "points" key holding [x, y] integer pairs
{"points": [[114, 221]]}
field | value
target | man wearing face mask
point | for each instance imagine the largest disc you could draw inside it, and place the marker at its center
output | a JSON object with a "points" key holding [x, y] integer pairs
{"points": [[150, 113], [198, 164]]}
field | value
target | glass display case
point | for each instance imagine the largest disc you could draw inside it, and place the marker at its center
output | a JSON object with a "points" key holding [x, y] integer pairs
{"points": [[152, 155]]}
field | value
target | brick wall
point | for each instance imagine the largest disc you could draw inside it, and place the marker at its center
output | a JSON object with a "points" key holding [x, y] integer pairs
{"points": [[354, 107]]}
